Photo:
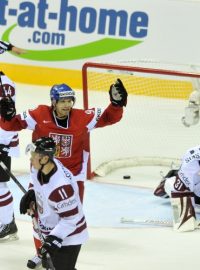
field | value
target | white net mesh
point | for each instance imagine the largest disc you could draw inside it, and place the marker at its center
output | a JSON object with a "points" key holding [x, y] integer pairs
{"points": [[151, 131]]}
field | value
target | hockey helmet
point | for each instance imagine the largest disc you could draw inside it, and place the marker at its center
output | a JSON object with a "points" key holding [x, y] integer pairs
{"points": [[43, 145], [59, 91]]}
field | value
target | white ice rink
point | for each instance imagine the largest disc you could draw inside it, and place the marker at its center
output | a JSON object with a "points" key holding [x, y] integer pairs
{"points": [[113, 245]]}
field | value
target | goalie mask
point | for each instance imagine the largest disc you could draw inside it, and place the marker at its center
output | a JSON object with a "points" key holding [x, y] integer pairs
{"points": [[44, 146], [62, 91]]}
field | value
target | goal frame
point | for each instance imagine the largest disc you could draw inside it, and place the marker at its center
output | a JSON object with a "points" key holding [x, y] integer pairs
{"points": [[128, 68]]}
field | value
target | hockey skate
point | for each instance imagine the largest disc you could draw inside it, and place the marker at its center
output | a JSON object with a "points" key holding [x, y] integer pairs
{"points": [[35, 262], [8, 232]]}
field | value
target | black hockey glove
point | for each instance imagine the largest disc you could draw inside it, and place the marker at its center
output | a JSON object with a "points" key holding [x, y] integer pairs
{"points": [[171, 173], [7, 108], [51, 245], [26, 201], [118, 94], [197, 200], [4, 150]]}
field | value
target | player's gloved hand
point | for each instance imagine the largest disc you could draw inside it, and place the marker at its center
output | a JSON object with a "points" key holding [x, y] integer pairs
{"points": [[51, 245], [118, 94], [7, 108], [171, 173], [162, 189], [4, 150], [26, 201]]}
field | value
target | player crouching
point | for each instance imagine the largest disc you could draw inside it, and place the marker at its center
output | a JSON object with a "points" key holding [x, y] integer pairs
{"points": [[183, 188]]}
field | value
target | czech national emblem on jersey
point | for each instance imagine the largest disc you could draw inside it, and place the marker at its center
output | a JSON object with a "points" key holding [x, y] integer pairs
{"points": [[63, 144]]}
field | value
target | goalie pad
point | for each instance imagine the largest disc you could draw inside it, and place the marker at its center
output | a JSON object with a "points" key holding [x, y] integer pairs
{"points": [[184, 218]]}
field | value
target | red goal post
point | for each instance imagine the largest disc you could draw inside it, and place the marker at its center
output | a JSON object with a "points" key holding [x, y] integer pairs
{"points": [[151, 132]]}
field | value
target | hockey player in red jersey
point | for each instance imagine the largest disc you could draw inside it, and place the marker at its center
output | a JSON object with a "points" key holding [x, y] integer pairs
{"points": [[68, 126], [9, 147], [60, 215]]}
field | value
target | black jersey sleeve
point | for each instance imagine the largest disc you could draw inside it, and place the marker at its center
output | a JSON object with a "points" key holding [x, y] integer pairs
{"points": [[5, 46]]}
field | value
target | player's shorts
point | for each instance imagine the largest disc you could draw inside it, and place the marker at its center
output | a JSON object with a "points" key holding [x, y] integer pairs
{"points": [[66, 257], [3, 175]]}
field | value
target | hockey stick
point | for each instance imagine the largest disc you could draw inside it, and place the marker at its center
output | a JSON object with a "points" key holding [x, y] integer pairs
{"points": [[152, 222], [162, 223], [12, 176], [50, 265], [1, 84]]}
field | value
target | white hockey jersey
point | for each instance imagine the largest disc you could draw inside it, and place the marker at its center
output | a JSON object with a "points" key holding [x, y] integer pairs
{"points": [[8, 138], [59, 207], [189, 172]]}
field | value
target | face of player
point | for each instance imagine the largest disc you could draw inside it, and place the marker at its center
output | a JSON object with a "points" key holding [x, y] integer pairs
{"points": [[37, 160], [63, 107]]}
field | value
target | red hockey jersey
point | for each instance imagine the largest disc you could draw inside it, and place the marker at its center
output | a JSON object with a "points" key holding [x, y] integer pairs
{"points": [[70, 141]]}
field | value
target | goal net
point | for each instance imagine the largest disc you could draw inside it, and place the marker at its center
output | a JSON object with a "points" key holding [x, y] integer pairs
{"points": [[151, 131]]}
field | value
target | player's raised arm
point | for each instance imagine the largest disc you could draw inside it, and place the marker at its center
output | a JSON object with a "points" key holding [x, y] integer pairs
{"points": [[118, 94], [113, 113], [5, 46], [17, 50]]}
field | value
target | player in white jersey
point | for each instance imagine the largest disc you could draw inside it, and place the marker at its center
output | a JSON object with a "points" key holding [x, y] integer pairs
{"points": [[183, 188], [9, 147], [60, 215], [69, 127]]}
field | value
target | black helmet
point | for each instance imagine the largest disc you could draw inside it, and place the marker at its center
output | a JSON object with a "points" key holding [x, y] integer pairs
{"points": [[46, 146]]}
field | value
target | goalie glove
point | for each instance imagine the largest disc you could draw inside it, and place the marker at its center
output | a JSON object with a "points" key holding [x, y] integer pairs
{"points": [[7, 108], [118, 94], [191, 115]]}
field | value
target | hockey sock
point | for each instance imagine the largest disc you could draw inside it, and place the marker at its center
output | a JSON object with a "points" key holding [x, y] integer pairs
{"points": [[37, 243], [6, 204]]}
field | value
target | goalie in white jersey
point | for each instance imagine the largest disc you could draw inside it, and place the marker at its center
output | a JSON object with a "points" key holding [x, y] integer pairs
{"points": [[183, 187], [55, 194], [9, 147]]}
